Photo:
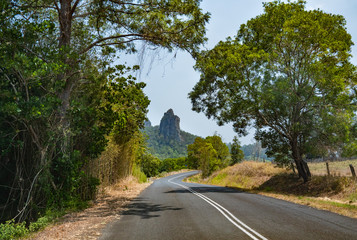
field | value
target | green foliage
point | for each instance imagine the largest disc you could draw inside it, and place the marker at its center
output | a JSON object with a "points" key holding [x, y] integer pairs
{"points": [[163, 148], [39, 224], [139, 174], [173, 164], [221, 149], [150, 165], [62, 100], [237, 154], [11, 230], [208, 155], [288, 72]]}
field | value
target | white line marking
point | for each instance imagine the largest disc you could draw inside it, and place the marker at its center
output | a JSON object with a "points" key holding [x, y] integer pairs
{"points": [[234, 220]]}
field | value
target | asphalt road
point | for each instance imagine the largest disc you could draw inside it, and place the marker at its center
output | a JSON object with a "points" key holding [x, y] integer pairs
{"points": [[171, 209]]}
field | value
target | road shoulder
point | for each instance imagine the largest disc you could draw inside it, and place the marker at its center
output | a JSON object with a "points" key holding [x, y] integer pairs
{"points": [[88, 224]]}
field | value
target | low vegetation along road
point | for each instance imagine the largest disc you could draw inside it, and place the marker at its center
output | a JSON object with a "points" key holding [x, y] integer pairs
{"points": [[172, 209]]}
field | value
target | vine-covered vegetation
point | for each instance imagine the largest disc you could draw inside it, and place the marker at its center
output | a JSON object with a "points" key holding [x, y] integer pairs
{"points": [[69, 116]]}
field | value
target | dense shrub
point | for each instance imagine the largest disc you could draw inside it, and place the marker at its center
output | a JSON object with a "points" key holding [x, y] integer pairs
{"points": [[173, 164]]}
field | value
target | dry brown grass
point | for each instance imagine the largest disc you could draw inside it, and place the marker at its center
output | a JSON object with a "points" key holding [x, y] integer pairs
{"points": [[246, 175], [89, 223], [332, 193], [337, 168]]}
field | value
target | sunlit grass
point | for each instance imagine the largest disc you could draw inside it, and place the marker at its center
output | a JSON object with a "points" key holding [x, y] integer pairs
{"points": [[337, 168], [333, 193]]}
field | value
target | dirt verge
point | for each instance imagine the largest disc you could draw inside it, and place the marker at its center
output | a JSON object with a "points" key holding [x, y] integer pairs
{"points": [[89, 223]]}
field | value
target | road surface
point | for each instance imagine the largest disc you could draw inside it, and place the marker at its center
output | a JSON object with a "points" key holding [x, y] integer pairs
{"points": [[171, 209]]}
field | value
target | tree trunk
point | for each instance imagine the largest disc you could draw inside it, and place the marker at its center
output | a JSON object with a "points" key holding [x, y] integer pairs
{"points": [[65, 17], [65, 20], [301, 165]]}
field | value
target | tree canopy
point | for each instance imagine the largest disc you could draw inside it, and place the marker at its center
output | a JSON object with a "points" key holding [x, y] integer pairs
{"points": [[237, 154], [288, 73], [208, 155], [65, 93]]}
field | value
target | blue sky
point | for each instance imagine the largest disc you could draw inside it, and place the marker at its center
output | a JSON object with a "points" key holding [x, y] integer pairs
{"points": [[170, 77]]}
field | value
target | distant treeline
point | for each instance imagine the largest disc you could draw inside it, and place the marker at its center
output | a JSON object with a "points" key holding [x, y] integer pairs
{"points": [[253, 151]]}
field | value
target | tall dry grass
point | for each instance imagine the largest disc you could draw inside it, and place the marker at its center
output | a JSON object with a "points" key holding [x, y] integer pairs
{"points": [[245, 175], [337, 168], [333, 193], [115, 163]]}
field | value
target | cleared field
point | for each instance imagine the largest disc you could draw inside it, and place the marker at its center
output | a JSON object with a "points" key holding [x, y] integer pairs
{"points": [[337, 168]]}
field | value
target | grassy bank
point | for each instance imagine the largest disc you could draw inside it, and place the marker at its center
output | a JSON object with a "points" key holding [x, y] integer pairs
{"points": [[333, 193], [337, 168]]}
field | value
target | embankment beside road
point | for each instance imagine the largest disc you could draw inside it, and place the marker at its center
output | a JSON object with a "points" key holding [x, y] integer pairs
{"points": [[332, 193]]}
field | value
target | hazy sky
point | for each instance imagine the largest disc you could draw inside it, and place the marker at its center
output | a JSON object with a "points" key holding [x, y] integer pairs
{"points": [[171, 78]]}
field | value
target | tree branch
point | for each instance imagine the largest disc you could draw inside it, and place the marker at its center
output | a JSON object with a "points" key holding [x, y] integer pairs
{"points": [[21, 212], [90, 46], [74, 7], [272, 126]]}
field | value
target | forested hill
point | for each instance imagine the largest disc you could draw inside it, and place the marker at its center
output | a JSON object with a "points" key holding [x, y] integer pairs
{"points": [[167, 148], [167, 140]]}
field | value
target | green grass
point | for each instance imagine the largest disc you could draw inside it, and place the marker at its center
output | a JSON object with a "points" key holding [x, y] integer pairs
{"points": [[218, 180], [332, 203]]}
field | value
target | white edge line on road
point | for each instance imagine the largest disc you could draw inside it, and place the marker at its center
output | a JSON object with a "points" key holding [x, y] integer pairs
{"points": [[239, 224]]}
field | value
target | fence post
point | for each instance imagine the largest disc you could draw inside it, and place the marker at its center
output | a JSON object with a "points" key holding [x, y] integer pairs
{"points": [[353, 171], [328, 168]]}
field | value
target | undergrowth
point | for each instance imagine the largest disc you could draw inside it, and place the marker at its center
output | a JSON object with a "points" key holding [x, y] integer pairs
{"points": [[137, 173], [11, 230]]}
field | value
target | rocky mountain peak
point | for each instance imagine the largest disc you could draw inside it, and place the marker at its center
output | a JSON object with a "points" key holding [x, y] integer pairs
{"points": [[170, 126], [147, 123]]}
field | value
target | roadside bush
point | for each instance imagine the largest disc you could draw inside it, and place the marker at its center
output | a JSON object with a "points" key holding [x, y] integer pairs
{"points": [[173, 164], [150, 165], [139, 174], [12, 230]]}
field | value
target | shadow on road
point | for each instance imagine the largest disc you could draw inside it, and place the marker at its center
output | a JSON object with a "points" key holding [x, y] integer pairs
{"points": [[139, 207], [207, 190]]}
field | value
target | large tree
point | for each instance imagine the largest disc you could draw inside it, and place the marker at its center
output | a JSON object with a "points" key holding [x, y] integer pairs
{"points": [[61, 92], [208, 155], [105, 27], [288, 73]]}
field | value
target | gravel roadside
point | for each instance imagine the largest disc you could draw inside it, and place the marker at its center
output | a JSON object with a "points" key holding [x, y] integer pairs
{"points": [[89, 223]]}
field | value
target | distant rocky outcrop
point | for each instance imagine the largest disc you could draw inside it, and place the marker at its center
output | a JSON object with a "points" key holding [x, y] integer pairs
{"points": [[168, 140], [147, 123], [170, 126]]}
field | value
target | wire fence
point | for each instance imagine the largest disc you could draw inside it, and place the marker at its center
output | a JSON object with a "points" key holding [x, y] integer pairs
{"points": [[332, 167]]}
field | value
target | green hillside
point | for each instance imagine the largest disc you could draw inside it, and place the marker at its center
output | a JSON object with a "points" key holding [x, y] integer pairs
{"points": [[167, 148]]}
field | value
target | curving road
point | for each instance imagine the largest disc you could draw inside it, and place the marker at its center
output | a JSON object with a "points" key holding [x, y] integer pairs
{"points": [[171, 209]]}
